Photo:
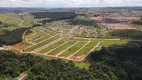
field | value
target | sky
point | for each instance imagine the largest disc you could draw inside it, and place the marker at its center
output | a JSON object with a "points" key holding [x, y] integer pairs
{"points": [[69, 3]]}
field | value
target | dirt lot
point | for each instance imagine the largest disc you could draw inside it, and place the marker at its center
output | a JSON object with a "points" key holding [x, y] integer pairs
{"points": [[18, 47], [127, 18], [117, 25]]}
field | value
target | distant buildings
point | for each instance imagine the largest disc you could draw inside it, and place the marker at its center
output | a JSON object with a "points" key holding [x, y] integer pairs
{"points": [[21, 15]]}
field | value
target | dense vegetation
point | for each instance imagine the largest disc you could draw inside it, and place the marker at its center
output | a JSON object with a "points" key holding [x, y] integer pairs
{"points": [[127, 33], [12, 37], [12, 65], [82, 22], [12, 29], [110, 63], [137, 22], [53, 16], [126, 63], [40, 69]]}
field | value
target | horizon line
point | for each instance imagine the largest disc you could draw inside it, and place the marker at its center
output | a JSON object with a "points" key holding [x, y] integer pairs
{"points": [[74, 7]]}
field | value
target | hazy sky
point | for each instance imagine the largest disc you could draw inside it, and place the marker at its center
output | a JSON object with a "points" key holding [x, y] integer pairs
{"points": [[69, 3]]}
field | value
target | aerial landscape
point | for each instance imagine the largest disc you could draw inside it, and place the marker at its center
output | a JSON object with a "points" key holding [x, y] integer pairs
{"points": [[70, 40]]}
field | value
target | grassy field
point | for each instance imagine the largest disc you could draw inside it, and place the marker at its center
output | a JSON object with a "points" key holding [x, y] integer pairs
{"points": [[40, 44], [35, 37], [15, 21], [119, 44], [73, 49], [87, 48], [65, 46], [52, 46], [31, 35], [107, 44], [41, 39], [9, 20], [47, 31], [79, 39]]}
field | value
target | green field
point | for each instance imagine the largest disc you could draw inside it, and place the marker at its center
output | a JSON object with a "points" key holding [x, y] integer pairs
{"points": [[42, 38], [9, 20], [36, 37], [47, 31], [73, 49], [118, 44], [61, 48], [40, 44], [15, 21], [107, 44], [87, 48], [52, 46], [31, 35]]}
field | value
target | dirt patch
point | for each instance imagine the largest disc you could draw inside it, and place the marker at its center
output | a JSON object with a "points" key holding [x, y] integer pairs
{"points": [[125, 18], [117, 26], [116, 22], [19, 47], [78, 57]]}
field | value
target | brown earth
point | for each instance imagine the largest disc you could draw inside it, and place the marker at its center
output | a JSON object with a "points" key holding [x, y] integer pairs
{"points": [[19, 47]]}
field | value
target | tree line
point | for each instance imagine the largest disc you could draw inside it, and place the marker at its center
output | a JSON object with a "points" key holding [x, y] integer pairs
{"points": [[83, 22], [40, 69], [110, 63], [53, 16], [137, 22], [124, 62], [12, 37]]}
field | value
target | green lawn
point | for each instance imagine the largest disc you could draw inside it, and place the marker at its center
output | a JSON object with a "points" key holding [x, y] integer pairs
{"points": [[107, 44], [39, 30], [31, 35], [40, 44], [65, 46], [87, 48], [43, 38], [118, 41], [52, 46], [47, 31], [36, 37], [9, 20], [73, 49], [118, 44]]}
